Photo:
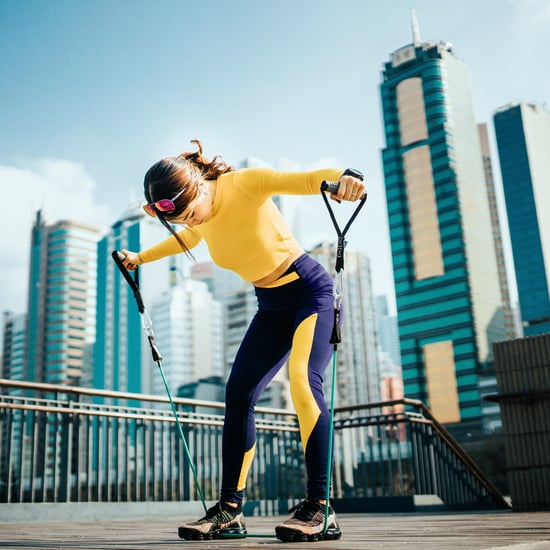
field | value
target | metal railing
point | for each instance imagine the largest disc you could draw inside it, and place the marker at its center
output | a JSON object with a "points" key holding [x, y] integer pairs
{"points": [[68, 444], [397, 448]]}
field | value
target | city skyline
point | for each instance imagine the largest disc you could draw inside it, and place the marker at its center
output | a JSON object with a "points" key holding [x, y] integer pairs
{"points": [[96, 94]]}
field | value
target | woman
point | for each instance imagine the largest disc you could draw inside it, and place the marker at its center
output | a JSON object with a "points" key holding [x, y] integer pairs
{"points": [[233, 212]]}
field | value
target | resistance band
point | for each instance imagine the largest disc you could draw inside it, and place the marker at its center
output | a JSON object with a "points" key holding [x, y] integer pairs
{"points": [[147, 325], [337, 293]]}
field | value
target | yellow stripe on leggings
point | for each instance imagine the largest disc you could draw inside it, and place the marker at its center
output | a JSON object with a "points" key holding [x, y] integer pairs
{"points": [[247, 461], [284, 280], [304, 402]]}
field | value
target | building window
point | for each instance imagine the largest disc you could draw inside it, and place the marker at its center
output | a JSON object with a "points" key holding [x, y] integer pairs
{"points": [[424, 224], [410, 105], [441, 381]]}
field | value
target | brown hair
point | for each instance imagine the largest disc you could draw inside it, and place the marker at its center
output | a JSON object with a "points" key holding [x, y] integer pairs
{"points": [[166, 178]]}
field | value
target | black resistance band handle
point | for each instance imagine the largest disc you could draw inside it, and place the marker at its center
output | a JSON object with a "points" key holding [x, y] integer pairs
{"points": [[342, 232], [118, 257], [333, 186]]}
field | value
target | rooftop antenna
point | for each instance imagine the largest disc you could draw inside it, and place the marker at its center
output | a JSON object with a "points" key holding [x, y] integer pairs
{"points": [[415, 29]]}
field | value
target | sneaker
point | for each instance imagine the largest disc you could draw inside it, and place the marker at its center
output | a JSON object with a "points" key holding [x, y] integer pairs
{"points": [[220, 521], [308, 523]]}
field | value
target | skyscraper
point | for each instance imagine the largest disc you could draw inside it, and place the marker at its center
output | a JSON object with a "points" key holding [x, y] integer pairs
{"points": [[122, 355], [446, 277], [358, 370], [523, 139], [509, 322], [13, 353], [61, 300], [188, 327]]}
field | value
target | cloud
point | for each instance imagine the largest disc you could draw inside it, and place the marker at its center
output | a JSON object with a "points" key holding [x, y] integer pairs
{"points": [[534, 10], [63, 191]]}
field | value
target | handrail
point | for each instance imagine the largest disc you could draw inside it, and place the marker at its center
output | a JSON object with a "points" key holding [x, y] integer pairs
{"points": [[443, 433], [127, 395], [201, 420]]}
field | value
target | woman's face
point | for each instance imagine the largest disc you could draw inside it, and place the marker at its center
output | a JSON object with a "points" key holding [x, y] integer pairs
{"points": [[198, 211]]}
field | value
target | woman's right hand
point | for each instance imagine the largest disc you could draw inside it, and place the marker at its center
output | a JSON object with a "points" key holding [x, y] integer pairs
{"points": [[131, 260]]}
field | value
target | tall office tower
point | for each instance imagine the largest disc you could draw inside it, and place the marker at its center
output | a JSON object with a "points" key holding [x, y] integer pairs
{"points": [[446, 277], [61, 300], [509, 321], [122, 355], [13, 353], [523, 139], [188, 328], [358, 369]]}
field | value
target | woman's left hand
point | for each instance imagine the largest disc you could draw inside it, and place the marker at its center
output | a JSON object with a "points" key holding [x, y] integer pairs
{"points": [[349, 189]]}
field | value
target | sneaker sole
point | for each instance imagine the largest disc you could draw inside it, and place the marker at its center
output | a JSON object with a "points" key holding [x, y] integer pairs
{"points": [[192, 534], [287, 534]]}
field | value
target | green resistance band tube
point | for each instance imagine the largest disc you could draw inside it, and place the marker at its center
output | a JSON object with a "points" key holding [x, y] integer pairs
{"points": [[147, 325], [330, 439], [182, 435]]}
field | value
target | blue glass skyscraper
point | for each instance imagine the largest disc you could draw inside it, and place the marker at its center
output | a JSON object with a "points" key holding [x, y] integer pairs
{"points": [[122, 356], [523, 138], [448, 298], [61, 300]]}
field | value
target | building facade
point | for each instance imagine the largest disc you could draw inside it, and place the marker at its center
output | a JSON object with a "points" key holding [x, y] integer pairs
{"points": [[446, 277], [503, 279], [61, 300], [13, 346], [523, 139], [188, 325], [122, 356]]}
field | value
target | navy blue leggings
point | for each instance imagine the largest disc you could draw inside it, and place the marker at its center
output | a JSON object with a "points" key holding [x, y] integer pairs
{"points": [[294, 321]]}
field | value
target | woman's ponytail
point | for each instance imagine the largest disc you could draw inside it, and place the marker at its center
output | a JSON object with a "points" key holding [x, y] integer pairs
{"points": [[210, 169]]}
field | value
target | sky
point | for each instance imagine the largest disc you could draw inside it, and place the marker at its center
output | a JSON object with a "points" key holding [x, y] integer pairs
{"points": [[92, 93]]}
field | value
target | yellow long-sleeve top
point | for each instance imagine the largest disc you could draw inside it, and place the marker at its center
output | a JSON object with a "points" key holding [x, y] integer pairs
{"points": [[246, 232]]}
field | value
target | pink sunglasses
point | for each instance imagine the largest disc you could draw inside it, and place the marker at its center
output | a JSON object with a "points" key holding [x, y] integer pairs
{"points": [[163, 205]]}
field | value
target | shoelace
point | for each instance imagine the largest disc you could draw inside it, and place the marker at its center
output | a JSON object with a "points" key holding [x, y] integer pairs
{"points": [[218, 511], [305, 510]]}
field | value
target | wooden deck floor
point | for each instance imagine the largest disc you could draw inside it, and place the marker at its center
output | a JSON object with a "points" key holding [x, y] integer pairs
{"points": [[516, 531]]}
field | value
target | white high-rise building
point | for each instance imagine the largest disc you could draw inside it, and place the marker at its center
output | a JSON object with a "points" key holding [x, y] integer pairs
{"points": [[188, 332], [358, 371]]}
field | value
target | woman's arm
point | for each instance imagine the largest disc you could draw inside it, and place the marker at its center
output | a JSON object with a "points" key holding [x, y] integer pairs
{"points": [[266, 181], [165, 248]]}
